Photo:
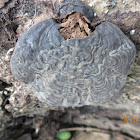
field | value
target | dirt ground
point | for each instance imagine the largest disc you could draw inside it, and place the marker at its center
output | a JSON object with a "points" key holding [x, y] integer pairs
{"points": [[24, 117]]}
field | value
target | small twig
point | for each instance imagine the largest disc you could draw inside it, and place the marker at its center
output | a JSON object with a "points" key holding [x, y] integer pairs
{"points": [[35, 11], [97, 23], [53, 7], [83, 129]]}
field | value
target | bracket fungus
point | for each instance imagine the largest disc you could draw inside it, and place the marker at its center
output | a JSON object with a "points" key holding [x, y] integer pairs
{"points": [[70, 61]]}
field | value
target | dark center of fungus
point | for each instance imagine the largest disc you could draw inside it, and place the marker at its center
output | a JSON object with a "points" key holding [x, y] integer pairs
{"points": [[75, 25]]}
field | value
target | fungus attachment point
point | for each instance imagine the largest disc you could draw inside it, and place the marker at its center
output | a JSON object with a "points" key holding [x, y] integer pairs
{"points": [[75, 25]]}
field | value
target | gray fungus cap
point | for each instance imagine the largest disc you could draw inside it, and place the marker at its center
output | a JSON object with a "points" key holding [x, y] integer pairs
{"points": [[73, 72]]}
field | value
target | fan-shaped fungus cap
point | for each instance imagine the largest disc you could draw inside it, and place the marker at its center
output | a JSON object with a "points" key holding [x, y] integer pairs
{"points": [[73, 72]]}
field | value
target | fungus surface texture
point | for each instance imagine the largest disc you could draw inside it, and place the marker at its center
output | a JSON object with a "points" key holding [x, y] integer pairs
{"points": [[65, 68]]}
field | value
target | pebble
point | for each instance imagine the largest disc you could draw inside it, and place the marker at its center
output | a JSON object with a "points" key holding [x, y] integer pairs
{"points": [[106, 11], [95, 14], [112, 3], [132, 32]]}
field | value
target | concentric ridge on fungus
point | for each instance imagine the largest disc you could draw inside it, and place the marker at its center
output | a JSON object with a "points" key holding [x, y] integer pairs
{"points": [[73, 72]]}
